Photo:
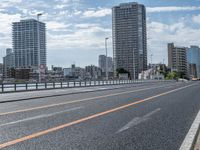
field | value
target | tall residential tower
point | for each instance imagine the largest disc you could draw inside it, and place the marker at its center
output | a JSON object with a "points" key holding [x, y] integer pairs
{"points": [[129, 38], [29, 44]]}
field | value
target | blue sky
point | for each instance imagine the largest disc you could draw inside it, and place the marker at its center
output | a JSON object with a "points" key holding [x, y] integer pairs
{"points": [[76, 28]]}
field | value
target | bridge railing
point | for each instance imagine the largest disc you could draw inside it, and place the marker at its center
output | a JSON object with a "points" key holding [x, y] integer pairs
{"points": [[17, 87]]}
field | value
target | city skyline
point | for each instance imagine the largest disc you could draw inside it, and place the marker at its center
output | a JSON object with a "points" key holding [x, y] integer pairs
{"points": [[79, 27]]}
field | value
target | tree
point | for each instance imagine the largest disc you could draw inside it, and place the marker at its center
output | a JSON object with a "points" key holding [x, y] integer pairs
{"points": [[172, 75]]}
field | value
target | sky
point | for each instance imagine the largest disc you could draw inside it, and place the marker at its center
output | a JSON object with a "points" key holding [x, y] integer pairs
{"points": [[76, 29]]}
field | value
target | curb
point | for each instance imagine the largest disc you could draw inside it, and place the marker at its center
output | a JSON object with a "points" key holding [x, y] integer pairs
{"points": [[191, 137]]}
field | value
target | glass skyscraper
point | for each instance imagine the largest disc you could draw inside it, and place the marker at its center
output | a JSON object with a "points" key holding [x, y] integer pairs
{"points": [[129, 38], [193, 58]]}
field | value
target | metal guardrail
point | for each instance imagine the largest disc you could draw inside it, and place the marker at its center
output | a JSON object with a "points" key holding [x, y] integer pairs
{"points": [[17, 87]]}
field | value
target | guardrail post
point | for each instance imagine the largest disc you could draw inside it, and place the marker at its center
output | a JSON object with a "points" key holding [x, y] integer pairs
{"points": [[2, 87], [90, 82], [15, 87], [80, 83], [45, 84], [74, 84], [85, 83], [54, 85], [67, 83], [61, 84], [26, 86], [36, 86]]}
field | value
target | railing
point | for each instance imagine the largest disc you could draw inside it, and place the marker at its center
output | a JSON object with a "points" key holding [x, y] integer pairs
{"points": [[16, 87]]}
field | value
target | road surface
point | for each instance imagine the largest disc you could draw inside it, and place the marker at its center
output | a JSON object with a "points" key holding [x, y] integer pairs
{"points": [[144, 117]]}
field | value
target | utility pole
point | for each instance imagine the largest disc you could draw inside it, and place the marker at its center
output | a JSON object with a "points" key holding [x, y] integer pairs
{"points": [[106, 58]]}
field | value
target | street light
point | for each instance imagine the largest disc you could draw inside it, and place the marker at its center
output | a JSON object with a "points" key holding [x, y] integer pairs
{"points": [[39, 57], [106, 57], [151, 59]]}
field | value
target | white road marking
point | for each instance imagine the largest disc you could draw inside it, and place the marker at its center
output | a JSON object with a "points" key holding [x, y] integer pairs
{"points": [[189, 140], [138, 120], [40, 116]]}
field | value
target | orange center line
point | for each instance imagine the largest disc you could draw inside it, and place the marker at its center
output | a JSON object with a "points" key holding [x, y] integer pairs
{"points": [[41, 133]]}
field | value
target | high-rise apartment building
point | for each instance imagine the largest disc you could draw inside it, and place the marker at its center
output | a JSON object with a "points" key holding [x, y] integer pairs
{"points": [[193, 59], [177, 59], [129, 38], [29, 44]]}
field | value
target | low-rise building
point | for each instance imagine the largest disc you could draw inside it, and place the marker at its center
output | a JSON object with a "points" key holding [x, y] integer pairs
{"points": [[93, 72], [74, 73], [155, 72]]}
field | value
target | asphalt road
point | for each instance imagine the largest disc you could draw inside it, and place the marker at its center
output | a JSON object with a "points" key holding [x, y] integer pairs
{"points": [[144, 117]]}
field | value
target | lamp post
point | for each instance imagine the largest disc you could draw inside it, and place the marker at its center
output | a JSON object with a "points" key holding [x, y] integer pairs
{"points": [[106, 57], [38, 33]]}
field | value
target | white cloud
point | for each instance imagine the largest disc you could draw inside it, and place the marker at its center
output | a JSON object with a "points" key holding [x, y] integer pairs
{"points": [[6, 31], [86, 25], [171, 8], [9, 3], [56, 26], [101, 12], [159, 34], [82, 38], [196, 19]]}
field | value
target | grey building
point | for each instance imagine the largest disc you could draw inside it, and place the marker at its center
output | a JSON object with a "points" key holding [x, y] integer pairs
{"points": [[1, 68], [29, 43], [177, 59], [129, 38], [102, 65], [110, 64], [1, 71], [102, 62], [8, 63], [93, 72]]}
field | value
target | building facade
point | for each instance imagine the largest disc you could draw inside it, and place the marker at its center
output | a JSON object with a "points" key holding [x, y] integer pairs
{"points": [[1, 72], [129, 38], [102, 65], [193, 59], [102, 62], [177, 59], [8, 64], [29, 44], [93, 72]]}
